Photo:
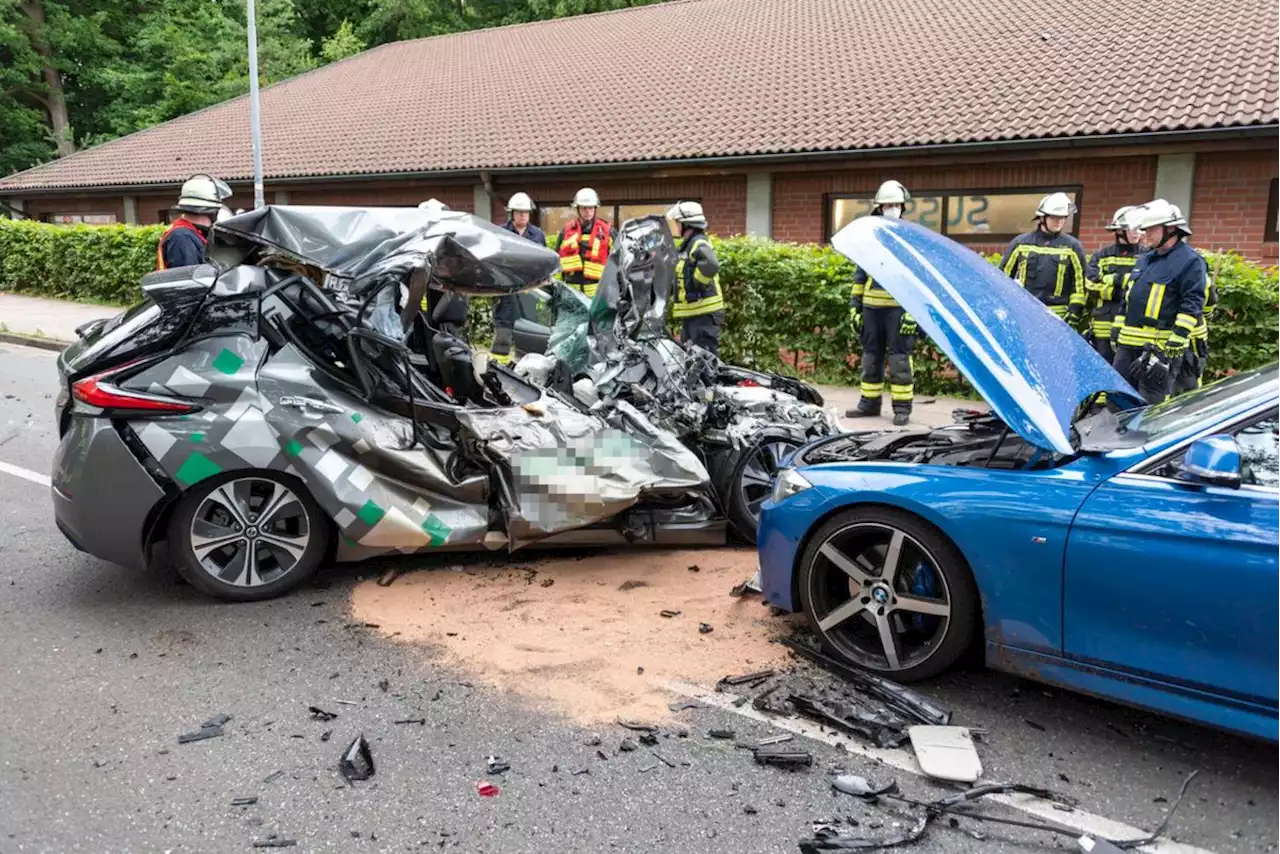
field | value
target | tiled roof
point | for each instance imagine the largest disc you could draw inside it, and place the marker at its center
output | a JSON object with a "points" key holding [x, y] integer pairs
{"points": [[761, 77]]}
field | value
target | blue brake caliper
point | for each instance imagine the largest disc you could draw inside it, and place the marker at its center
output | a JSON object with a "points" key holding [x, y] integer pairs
{"points": [[925, 585]]}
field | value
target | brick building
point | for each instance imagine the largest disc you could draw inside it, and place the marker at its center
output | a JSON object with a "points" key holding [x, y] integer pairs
{"points": [[789, 120]]}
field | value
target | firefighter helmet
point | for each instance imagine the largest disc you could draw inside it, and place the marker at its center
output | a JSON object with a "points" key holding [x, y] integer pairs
{"points": [[892, 193], [1056, 204], [688, 213], [521, 202], [586, 198], [202, 194], [1125, 218], [1161, 212]]}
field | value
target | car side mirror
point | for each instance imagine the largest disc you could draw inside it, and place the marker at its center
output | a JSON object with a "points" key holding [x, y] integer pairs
{"points": [[1213, 460]]}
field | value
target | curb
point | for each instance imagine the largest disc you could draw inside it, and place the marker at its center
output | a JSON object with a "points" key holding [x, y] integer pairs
{"points": [[34, 341]]}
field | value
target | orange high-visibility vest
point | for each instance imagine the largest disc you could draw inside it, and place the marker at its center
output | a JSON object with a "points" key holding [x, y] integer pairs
{"points": [[590, 263]]}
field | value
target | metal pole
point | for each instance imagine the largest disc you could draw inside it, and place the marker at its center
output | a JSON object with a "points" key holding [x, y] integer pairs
{"points": [[254, 114]]}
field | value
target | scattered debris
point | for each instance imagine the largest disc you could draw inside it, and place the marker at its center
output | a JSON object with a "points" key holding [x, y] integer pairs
{"points": [[628, 746], [1098, 846], [636, 726], [682, 705], [594, 741], [388, 577], [485, 789], [632, 585], [384, 686], [346, 702], [497, 766], [882, 730], [835, 841], [751, 680], [669, 613], [274, 775], [646, 769], [783, 758], [547, 582], [1035, 726], [244, 802], [774, 739], [896, 697], [695, 568], [326, 735], [418, 721], [211, 728], [749, 809], [946, 753], [272, 842], [319, 714], [1155, 834], [581, 772], [639, 671], [720, 733], [357, 761], [861, 787], [601, 755], [649, 739], [751, 585], [705, 628], [664, 760]]}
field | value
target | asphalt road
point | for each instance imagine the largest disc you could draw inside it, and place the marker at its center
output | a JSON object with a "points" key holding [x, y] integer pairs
{"points": [[102, 669]]}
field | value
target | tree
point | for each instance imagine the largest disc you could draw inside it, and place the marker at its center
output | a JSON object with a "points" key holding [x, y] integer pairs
{"points": [[341, 44]]}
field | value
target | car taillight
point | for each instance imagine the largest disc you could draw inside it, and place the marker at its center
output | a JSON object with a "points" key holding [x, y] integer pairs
{"points": [[96, 391], [749, 383]]}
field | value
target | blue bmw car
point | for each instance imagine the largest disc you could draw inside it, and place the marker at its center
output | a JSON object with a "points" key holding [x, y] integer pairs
{"points": [[1130, 553]]}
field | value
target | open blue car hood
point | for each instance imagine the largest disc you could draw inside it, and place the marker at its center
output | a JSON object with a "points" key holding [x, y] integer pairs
{"points": [[1031, 367]]}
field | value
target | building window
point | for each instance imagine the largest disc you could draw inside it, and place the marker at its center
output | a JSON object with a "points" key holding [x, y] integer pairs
{"points": [[1273, 212], [553, 217], [80, 219], [976, 216]]}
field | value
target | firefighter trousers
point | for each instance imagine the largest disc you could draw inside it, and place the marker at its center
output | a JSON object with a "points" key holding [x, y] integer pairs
{"points": [[882, 341], [703, 330]]}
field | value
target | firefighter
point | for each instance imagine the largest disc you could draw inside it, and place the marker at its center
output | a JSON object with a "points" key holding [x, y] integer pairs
{"points": [[1164, 306], [884, 327], [519, 209], [699, 302], [584, 244], [1107, 277], [186, 240], [1049, 263], [1192, 373]]}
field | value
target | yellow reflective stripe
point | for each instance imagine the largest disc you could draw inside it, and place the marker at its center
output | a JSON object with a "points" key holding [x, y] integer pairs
{"points": [[1200, 333], [1057, 284], [902, 392], [1102, 327], [1057, 310], [570, 264], [702, 306], [1155, 299], [872, 390], [699, 276], [879, 299], [592, 270], [1013, 261], [589, 288], [570, 243], [1137, 336], [1187, 321], [859, 288]]}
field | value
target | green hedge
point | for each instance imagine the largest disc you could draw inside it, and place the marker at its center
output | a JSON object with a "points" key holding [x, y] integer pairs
{"points": [[787, 303]]}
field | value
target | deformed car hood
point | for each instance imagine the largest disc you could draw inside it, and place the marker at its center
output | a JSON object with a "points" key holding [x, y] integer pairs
{"points": [[1031, 367], [470, 255]]}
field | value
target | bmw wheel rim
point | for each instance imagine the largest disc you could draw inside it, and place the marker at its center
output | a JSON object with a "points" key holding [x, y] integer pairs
{"points": [[879, 597], [250, 532], [759, 471]]}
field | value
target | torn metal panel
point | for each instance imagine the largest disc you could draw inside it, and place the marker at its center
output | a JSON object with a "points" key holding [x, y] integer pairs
{"points": [[946, 753], [363, 246], [568, 469]]}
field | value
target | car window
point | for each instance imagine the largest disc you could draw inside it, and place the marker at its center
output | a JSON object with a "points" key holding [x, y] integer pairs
{"points": [[1259, 444], [1187, 410]]}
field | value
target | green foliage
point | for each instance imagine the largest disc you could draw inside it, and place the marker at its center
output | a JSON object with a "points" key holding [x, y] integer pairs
{"points": [[90, 263], [343, 43], [787, 304]]}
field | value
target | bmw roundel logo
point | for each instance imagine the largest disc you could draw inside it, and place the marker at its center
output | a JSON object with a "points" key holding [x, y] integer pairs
{"points": [[880, 595]]}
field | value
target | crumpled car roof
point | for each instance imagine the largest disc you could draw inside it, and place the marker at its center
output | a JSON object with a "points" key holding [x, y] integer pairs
{"points": [[471, 256]]}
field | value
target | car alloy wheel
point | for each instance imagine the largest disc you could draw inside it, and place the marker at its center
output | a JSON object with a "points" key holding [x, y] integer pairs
{"points": [[879, 596], [250, 532], [753, 481], [248, 536]]}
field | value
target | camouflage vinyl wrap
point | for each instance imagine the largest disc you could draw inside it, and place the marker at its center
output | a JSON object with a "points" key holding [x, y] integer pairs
{"points": [[281, 414]]}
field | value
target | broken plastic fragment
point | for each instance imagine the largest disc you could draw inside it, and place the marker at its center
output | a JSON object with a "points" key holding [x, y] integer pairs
{"points": [[785, 758], [705, 628], [946, 753], [275, 843], [243, 802], [485, 789], [720, 733], [751, 585], [319, 714], [668, 613], [649, 739], [861, 787], [636, 726], [628, 746], [752, 680], [497, 766], [1089, 845], [357, 761], [897, 697]]}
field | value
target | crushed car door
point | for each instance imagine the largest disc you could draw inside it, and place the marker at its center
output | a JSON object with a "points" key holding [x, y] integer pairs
{"points": [[1176, 581]]}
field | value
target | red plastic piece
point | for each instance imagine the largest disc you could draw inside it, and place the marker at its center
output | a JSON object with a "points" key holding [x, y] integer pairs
{"points": [[485, 789]]}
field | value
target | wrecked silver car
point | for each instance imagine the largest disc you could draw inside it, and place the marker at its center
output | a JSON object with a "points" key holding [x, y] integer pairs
{"points": [[291, 402]]}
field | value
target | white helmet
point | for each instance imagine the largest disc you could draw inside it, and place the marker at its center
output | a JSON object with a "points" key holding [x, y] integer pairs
{"points": [[202, 194], [224, 213], [1160, 212], [433, 205], [1125, 218], [1056, 204], [892, 193], [688, 213], [586, 198], [521, 202]]}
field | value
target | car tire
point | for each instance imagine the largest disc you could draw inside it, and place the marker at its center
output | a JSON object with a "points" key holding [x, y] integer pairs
{"points": [[751, 472], [211, 553], [852, 631]]}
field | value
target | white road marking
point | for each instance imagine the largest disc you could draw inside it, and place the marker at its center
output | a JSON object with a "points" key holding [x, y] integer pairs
{"points": [[904, 760], [25, 474]]}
